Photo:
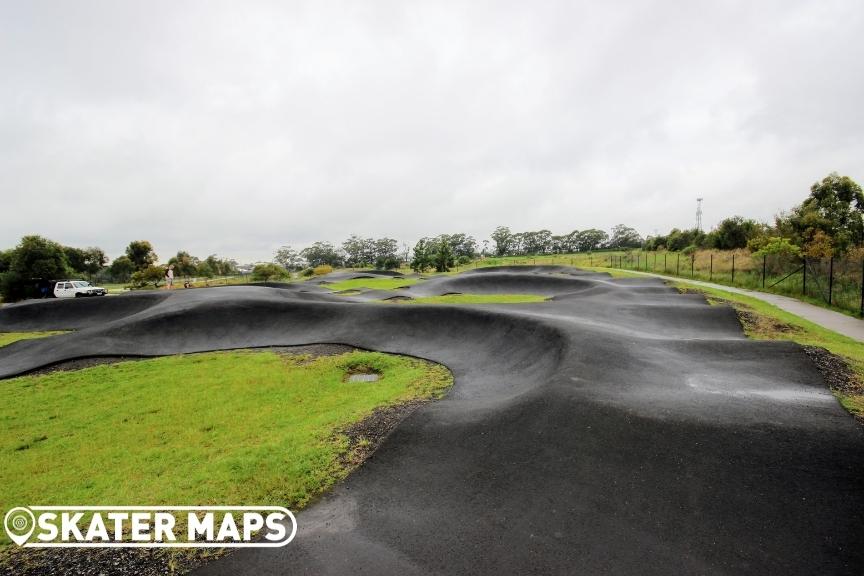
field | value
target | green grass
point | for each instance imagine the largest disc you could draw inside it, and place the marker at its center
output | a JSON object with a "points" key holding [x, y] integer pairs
{"points": [[10, 337], [614, 272], [475, 299], [233, 428], [773, 323], [370, 283]]}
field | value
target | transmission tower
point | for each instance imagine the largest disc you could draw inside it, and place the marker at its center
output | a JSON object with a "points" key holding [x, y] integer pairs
{"points": [[699, 214]]}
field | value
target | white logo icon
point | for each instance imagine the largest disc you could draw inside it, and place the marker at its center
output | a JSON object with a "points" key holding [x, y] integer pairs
{"points": [[19, 523]]}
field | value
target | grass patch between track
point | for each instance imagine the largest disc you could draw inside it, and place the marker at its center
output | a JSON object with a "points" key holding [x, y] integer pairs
{"points": [[232, 428], [475, 299], [764, 321], [7, 338], [370, 283]]}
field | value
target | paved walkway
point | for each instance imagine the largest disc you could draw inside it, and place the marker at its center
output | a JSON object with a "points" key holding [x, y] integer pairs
{"points": [[836, 321]]}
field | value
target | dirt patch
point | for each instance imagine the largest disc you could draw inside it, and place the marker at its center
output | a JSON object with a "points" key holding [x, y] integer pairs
{"points": [[837, 373], [754, 323], [80, 363], [314, 350], [102, 561], [366, 436]]}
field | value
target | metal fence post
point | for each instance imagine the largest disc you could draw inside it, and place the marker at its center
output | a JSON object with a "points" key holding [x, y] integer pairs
{"points": [[664, 261], [692, 264], [830, 280], [861, 310], [804, 278], [654, 266], [711, 269], [733, 269], [764, 262], [678, 266]]}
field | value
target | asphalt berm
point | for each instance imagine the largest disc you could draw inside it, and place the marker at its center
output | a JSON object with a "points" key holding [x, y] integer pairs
{"points": [[619, 428]]}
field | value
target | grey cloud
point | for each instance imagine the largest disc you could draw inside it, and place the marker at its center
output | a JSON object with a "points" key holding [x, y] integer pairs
{"points": [[235, 128]]}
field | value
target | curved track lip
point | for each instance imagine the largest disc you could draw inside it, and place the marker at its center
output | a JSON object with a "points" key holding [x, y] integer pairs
{"points": [[616, 412]]}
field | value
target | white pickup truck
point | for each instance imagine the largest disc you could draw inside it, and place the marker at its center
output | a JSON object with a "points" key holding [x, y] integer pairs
{"points": [[76, 289]]}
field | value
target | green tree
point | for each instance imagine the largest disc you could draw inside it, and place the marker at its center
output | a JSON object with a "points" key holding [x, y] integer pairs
{"points": [[267, 272], [443, 257], [836, 207], [140, 253], [121, 269], [461, 244], [624, 237], [289, 258], [94, 260], [76, 259], [422, 257], [206, 270], [733, 233], [5, 260], [503, 239], [322, 253], [218, 266], [358, 251], [150, 275], [680, 239], [770, 245], [185, 264], [592, 239], [385, 254], [34, 258]]}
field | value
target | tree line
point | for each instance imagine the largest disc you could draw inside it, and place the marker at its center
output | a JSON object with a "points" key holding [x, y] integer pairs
{"points": [[829, 222], [36, 260], [444, 251]]}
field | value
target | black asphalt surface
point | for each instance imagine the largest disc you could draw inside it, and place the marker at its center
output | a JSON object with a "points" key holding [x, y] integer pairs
{"points": [[619, 428]]}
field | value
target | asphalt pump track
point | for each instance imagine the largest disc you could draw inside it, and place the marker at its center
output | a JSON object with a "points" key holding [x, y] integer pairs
{"points": [[619, 428]]}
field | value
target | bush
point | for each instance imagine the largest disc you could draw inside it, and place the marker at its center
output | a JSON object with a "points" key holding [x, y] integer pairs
{"points": [[386, 263], [767, 245], [307, 272], [265, 272], [13, 288], [463, 260], [322, 269], [150, 275]]}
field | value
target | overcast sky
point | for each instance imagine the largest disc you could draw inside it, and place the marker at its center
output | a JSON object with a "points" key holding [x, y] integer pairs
{"points": [[236, 127]]}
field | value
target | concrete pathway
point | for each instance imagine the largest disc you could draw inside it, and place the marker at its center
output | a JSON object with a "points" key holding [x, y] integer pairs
{"points": [[836, 321]]}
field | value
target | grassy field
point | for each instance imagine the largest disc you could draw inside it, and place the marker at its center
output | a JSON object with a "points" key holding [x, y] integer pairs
{"points": [[475, 299], [243, 427], [768, 322], [10, 337], [195, 283], [370, 284]]}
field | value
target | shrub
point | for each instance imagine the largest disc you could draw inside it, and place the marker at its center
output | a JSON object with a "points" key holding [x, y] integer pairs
{"points": [[463, 260], [322, 269], [765, 245], [266, 272], [307, 272], [150, 275], [386, 263]]}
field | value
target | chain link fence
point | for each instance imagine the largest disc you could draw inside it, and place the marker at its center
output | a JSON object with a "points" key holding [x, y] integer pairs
{"points": [[835, 282]]}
